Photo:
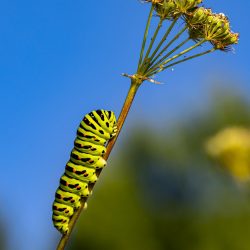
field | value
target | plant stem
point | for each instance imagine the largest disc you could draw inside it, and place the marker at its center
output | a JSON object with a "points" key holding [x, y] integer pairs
{"points": [[145, 60], [145, 35], [185, 51], [164, 38], [190, 57], [169, 44], [135, 83], [157, 64], [124, 112], [161, 67]]}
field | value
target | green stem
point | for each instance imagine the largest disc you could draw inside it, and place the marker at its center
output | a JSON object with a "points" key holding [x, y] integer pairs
{"points": [[185, 51], [190, 57], [145, 60], [157, 64], [164, 38], [135, 83], [161, 67], [169, 44], [145, 35]]}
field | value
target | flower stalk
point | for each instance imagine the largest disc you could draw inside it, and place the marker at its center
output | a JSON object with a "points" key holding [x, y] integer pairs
{"points": [[145, 35], [190, 57], [163, 39], [160, 67], [168, 45]]}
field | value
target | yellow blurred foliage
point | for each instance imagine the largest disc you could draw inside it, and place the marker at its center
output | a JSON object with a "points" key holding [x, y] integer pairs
{"points": [[231, 148]]}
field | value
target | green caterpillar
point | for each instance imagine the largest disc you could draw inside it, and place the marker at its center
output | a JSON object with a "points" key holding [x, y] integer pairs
{"points": [[94, 131]]}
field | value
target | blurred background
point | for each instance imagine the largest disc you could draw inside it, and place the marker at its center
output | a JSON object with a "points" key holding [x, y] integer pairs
{"points": [[60, 60]]}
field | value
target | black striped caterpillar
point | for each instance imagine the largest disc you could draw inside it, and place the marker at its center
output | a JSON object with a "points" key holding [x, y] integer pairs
{"points": [[94, 131]]}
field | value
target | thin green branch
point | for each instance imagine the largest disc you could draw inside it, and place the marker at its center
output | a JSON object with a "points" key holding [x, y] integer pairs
{"points": [[185, 51], [169, 44], [190, 57], [135, 83], [157, 64], [145, 35], [164, 38], [161, 67], [145, 60]]}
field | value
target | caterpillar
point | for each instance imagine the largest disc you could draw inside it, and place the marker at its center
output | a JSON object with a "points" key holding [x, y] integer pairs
{"points": [[95, 129]]}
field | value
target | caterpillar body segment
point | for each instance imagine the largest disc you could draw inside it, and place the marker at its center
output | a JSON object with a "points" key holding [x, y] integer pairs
{"points": [[82, 173], [89, 124], [87, 159], [72, 185], [86, 147], [60, 218], [62, 209], [61, 223], [100, 123], [88, 136], [106, 123], [68, 198], [94, 131]]}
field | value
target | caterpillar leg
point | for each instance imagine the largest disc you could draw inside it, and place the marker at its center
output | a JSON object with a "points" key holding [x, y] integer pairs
{"points": [[85, 206], [114, 132]]}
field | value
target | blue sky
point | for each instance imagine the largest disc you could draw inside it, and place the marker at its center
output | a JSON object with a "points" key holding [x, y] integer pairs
{"points": [[62, 59]]}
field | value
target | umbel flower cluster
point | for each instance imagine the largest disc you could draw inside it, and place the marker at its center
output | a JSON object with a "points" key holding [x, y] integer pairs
{"points": [[198, 24]]}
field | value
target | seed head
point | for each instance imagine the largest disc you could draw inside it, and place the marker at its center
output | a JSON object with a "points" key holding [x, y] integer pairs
{"points": [[201, 23], [168, 9], [218, 32], [216, 27], [226, 43], [198, 16], [165, 8], [196, 22], [184, 6]]}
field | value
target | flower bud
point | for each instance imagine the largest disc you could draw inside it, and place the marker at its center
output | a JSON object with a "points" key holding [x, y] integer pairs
{"points": [[184, 6], [217, 27], [196, 21], [199, 16], [225, 43], [233, 39], [165, 8]]}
